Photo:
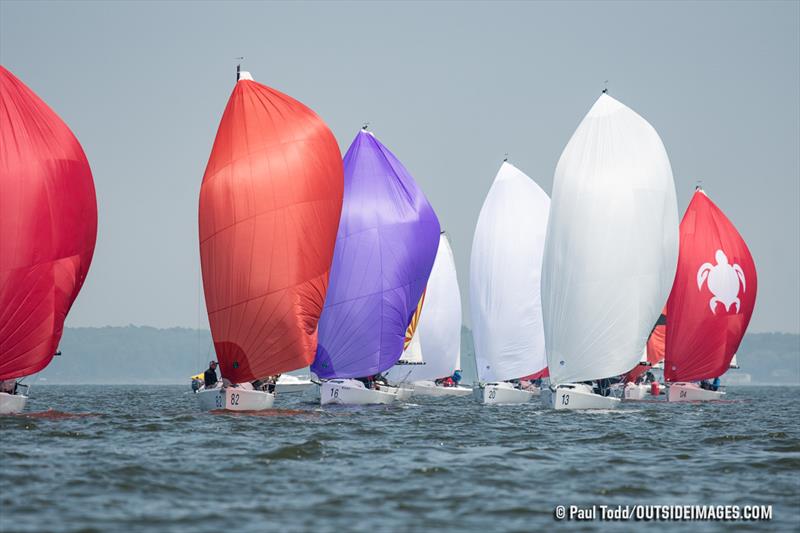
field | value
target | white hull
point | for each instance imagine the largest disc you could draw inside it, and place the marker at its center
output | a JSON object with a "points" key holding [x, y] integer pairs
{"points": [[691, 392], [11, 404], [577, 397], [429, 388], [353, 392], [235, 399], [402, 394], [503, 393], [636, 392], [288, 384]]}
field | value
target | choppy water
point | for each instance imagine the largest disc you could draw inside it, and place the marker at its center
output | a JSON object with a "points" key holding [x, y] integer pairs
{"points": [[124, 458]]}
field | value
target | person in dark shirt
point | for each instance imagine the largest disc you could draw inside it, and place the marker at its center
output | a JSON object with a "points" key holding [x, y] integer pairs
{"points": [[210, 375]]}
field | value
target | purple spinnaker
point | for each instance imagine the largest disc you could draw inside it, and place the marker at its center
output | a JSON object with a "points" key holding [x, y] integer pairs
{"points": [[385, 248]]}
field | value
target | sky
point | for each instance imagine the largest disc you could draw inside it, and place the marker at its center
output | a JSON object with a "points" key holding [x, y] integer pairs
{"points": [[449, 87]]}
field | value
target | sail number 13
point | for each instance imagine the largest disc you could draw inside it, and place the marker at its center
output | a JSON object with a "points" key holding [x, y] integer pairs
{"points": [[565, 399]]}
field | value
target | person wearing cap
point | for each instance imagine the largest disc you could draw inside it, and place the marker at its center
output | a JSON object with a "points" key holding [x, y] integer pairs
{"points": [[210, 375]]}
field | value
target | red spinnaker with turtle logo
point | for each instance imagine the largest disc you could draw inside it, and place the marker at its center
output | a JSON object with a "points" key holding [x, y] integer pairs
{"points": [[713, 296], [48, 227], [269, 211]]}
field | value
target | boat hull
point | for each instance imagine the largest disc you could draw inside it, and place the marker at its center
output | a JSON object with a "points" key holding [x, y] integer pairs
{"points": [[578, 397], [235, 399], [352, 392], [402, 394], [295, 386], [691, 392], [636, 392], [503, 393], [11, 404], [429, 388]]}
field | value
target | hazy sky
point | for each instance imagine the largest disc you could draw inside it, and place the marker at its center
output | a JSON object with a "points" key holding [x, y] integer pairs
{"points": [[448, 87]]}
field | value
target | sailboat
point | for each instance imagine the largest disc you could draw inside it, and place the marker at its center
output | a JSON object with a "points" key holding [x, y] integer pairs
{"points": [[711, 301], [505, 301], [269, 208], [385, 249], [48, 229], [434, 351], [611, 252]]}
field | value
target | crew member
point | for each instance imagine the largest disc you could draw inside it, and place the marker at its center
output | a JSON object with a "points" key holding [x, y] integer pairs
{"points": [[210, 375]]}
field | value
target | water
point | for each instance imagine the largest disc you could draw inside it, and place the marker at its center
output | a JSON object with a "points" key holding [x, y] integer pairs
{"points": [[125, 458]]}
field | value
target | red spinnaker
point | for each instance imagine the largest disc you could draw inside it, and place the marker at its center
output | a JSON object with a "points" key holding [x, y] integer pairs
{"points": [[48, 227], [269, 211], [713, 296]]}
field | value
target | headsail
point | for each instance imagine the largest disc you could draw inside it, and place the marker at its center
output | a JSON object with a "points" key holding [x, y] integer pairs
{"points": [[48, 227], [269, 208], [385, 250], [505, 270], [713, 297], [439, 329], [612, 245]]}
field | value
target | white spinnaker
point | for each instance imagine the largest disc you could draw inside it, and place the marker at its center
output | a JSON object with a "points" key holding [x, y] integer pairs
{"points": [[439, 328], [612, 245], [505, 271]]}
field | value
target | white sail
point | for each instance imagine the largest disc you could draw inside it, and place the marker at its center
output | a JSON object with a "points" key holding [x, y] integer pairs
{"points": [[505, 270], [438, 333], [612, 245], [734, 364], [413, 354]]}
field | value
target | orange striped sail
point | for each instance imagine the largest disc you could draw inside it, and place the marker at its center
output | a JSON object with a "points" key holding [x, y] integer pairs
{"points": [[412, 326]]}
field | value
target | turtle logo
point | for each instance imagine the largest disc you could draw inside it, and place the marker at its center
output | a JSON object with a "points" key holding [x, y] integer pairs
{"points": [[723, 282]]}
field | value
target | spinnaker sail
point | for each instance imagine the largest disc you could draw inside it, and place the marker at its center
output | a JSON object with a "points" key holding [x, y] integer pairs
{"points": [[612, 245], [713, 296], [48, 227], [505, 271], [385, 249], [269, 210]]}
